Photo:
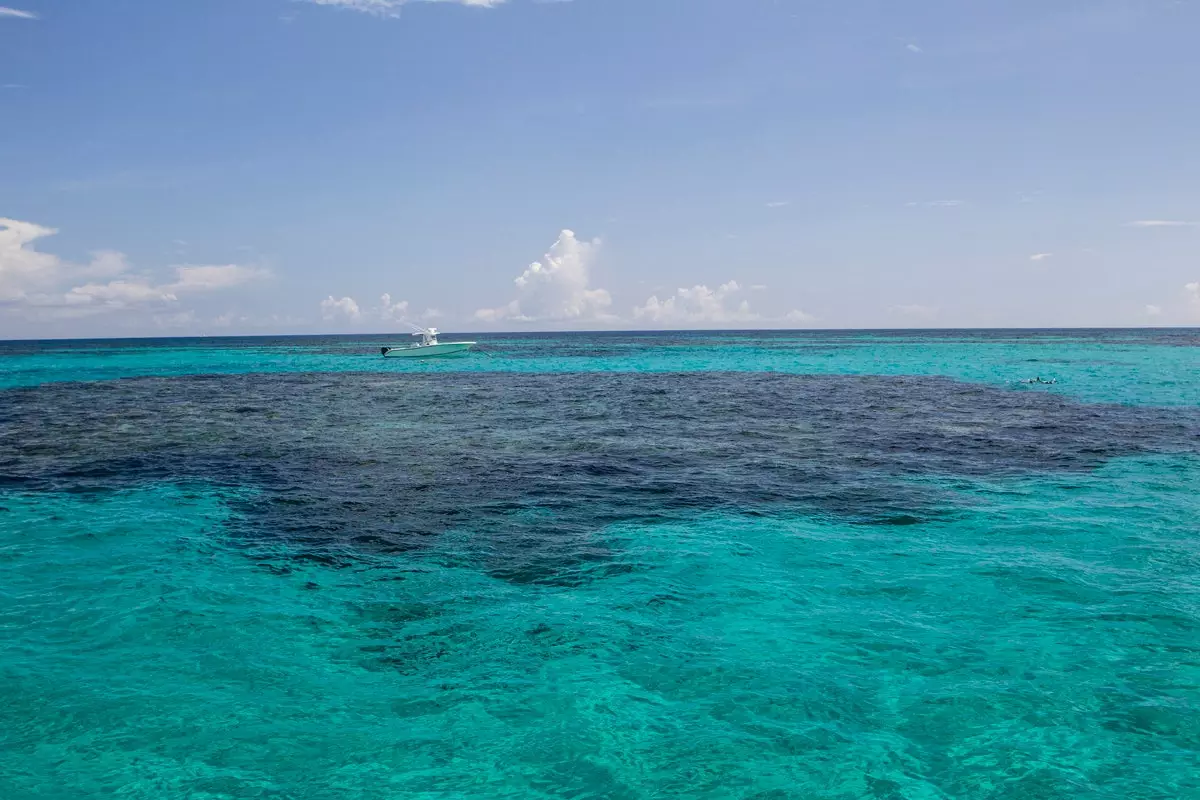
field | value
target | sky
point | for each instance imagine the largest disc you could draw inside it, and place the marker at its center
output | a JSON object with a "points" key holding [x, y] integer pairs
{"points": [[232, 167]]}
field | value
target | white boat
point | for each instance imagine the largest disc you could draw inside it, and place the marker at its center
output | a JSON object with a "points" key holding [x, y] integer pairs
{"points": [[428, 347]]}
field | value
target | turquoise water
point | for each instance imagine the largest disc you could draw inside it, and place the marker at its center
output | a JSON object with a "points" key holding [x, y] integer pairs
{"points": [[644, 567], [1153, 367]]}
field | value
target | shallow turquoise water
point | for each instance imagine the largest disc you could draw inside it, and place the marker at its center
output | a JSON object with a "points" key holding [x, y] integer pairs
{"points": [[1153, 367], [941, 625]]}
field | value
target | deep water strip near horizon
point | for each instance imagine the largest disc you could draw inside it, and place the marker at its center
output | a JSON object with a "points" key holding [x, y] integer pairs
{"points": [[1039, 642]]}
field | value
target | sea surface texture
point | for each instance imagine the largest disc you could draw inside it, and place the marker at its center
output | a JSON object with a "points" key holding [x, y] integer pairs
{"points": [[737, 565]]}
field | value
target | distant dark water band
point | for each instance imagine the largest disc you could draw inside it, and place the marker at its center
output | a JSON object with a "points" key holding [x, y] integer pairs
{"points": [[532, 466]]}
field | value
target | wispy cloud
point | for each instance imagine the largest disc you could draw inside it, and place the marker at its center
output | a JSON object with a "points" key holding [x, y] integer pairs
{"points": [[1040, 256], [1153, 311], [1160, 223], [213, 278], [916, 311], [43, 285], [391, 8], [936, 203], [778, 204], [16, 13], [912, 48]]}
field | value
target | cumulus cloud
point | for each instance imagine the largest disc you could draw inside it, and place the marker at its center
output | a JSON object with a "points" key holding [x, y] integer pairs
{"points": [[22, 267], [347, 308], [557, 288], [41, 284], [389, 310], [698, 304], [344, 307], [16, 13], [796, 315], [391, 8]]}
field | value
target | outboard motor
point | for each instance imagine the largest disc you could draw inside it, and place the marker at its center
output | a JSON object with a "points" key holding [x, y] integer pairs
{"points": [[384, 350]]}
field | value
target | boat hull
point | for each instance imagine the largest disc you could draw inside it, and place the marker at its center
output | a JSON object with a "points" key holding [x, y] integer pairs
{"points": [[428, 350]]}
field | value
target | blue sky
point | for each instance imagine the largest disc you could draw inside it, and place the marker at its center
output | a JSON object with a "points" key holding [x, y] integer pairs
{"points": [[262, 166]]}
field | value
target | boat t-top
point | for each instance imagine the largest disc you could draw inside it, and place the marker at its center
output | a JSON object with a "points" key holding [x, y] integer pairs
{"points": [[427, 347]]}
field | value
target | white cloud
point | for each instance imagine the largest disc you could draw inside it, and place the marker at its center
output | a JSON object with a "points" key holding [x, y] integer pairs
{"points": [[347, 308], [16, 13], [391, 8], [22, 267], [698, 304], [556, 288], [796, 315], [1160, 223], [213, 278], [1153, 311], [389, 310], [778, 204], [42, 285], [131, 291], [1040, 256], [912, 48], [105, 264], [119, 294], [431, 314], [344, 307]]}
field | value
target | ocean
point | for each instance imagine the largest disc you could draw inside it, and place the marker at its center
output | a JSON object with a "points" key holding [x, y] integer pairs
{"points": [[668, 565]]}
